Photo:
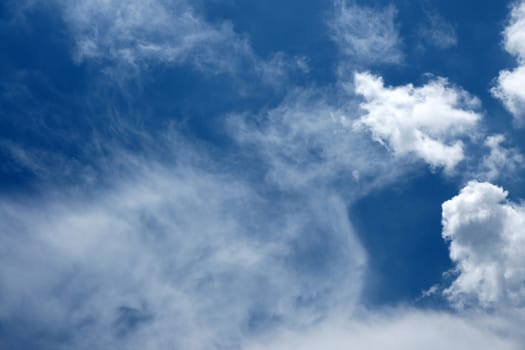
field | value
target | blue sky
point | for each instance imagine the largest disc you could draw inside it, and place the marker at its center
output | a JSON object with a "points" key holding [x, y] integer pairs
{"points": [[227, 174]]}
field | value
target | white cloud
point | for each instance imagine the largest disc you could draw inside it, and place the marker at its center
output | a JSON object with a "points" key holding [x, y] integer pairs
{"points": [[501, 161], [437, 31], [130, 36], [134, 31], [189, 256], [427, 122], [510, 84], [395, 330], [515, 32], [510, 90], [320, 138], [487, 244], [173, 258], [366, 35], [308, 143]]}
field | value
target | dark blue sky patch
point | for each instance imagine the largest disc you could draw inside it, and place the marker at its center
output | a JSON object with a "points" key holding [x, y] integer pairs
{"points": [[129, 320], [294, 27], [18, 334], [400, 229]]}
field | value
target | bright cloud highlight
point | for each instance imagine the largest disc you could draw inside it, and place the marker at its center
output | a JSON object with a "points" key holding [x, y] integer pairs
{"points": [[427, 122], [487, 244], [510, 85]]}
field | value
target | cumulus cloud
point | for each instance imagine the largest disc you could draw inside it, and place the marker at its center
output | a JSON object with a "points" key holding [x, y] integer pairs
{"points": [[487, 244], [366, 35], [427, 122], [509, 88], [515, 32], [322, 137]]}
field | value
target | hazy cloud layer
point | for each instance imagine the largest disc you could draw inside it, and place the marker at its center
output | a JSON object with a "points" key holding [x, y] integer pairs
{"points": [[397, 329], [174, 257]]}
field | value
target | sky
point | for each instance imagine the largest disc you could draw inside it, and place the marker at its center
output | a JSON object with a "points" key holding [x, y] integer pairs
{"points": [[226, 174]]}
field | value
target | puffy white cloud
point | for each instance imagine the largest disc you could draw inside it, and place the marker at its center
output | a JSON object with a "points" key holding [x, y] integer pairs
{"points": [[515, 31], [510, 83], [366, 35], [427, 122], [487, 244], [510, 90], [321, 138]]}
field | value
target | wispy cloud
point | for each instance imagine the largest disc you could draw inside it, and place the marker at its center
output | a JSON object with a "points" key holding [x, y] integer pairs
{"points": [[366, 35], [502, 161], [125, 38], [437, 31], [307, 142], [137, 32], [181, 248]]}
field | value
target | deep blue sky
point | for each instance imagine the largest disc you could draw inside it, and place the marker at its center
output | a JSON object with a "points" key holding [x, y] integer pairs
{"points": [[67, 117], [54, 97]]}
